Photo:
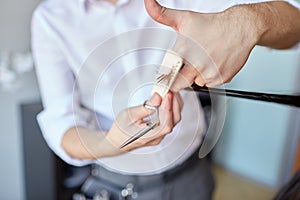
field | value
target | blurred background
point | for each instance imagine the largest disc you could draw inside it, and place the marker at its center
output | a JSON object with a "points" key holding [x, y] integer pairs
{"points": [[257, 153]]}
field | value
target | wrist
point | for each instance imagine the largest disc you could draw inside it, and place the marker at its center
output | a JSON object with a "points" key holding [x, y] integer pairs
{"points": [[83, 143], [250, 21], [109, 146]]}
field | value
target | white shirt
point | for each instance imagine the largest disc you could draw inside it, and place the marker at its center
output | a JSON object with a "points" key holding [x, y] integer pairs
{"points": [[86, 44]]}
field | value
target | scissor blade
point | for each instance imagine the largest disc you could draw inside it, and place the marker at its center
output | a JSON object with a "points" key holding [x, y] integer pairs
{"points": [[138, 134]]}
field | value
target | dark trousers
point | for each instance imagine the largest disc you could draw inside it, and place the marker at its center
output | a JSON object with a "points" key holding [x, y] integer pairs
{"points": [[192, 180]]}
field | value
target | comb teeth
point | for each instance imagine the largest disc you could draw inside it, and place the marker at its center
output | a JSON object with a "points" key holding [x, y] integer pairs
{"points": [[167, 73], [160, 78], [165, 78]]}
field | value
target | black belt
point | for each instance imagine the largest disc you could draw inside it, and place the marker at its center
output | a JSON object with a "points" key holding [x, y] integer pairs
{"points": [[145, 181]]}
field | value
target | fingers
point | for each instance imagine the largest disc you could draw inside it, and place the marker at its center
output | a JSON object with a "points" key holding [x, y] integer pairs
{"points": [[177, 108], [199, 80], [185, 78], [155, 100], [166, 16], [169, 116], [171, 110], [166, 121], [156, 141], [166, 114]]}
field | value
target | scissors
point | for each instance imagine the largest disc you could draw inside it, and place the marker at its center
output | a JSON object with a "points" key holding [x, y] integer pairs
{"points": [[166, 75], [153, 121]]}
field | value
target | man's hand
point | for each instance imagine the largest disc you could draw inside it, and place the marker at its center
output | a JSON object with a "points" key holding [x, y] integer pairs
{"points": [[216, 46]]}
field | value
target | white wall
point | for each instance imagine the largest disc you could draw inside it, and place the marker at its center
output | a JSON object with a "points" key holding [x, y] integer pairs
{"points": [[253, 140], [258, 140], [15, 18]]}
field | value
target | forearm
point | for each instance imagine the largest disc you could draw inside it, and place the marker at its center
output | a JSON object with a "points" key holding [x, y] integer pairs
{"points": [[274, 24], [82, 143]]}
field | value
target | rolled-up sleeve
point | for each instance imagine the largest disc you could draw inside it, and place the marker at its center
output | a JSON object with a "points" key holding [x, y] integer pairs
{"points": [[58, 89]]}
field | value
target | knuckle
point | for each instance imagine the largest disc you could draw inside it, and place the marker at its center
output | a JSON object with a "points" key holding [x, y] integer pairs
{"points": [[141, 142], [183, 21], [178, 119], [228, 80], [190, 82], [199, 82], [213, 75], [168, 129], [156, 142], [174, 88], [187, 17]]}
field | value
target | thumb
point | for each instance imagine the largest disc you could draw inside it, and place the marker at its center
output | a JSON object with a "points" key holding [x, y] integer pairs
{"points": [[155, 100], [163, 15], [140, 112]]}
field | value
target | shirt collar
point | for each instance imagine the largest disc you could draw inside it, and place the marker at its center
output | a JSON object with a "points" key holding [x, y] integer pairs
{"points": [[84, 4]]}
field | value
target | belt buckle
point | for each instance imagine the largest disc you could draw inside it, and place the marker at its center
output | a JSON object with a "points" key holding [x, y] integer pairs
{"points": [[128, 192]]}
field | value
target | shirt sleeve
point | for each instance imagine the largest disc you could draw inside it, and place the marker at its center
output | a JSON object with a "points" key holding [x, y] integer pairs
{"points": [[58, 89]]}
